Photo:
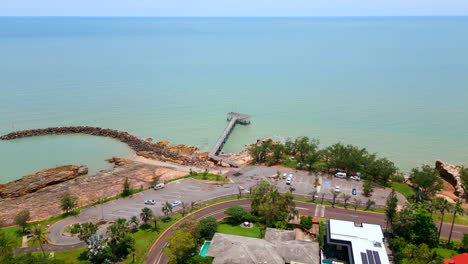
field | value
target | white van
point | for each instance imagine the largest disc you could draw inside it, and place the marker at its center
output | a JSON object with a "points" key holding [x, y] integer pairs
{"points": [[340, 175], [158, 186]]}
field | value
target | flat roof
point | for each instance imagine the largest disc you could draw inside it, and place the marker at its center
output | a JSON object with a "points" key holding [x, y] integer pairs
{"points": [[366, 240]]}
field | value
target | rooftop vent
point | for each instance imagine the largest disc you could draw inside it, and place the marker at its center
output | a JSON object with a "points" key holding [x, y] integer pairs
{"points": [[377, 244]]}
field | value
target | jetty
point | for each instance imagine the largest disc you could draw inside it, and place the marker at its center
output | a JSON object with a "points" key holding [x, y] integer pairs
{"points": [[233, 118]]}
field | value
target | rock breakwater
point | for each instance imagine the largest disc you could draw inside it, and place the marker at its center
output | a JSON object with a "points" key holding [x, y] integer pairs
{"points": [[180, 153]]}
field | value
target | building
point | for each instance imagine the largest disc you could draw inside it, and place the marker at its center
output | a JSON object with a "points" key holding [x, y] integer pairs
{"points": [[278, 247], [458, 259], [355, 243]]}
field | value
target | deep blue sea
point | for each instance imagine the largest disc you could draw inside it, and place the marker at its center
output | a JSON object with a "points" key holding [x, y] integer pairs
{"points": [[397, 86]]}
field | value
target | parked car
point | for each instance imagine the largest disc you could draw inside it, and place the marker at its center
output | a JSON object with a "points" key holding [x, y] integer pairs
{"points": [[340, 175], [151, 202], [337, 189], [158, 186], [356, 178], [176, 203], [354, 192], [288, 181], [290, 176], [285, 175]]}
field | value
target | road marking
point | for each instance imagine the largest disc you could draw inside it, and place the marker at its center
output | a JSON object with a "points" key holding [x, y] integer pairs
{"points": [[319, 210]]}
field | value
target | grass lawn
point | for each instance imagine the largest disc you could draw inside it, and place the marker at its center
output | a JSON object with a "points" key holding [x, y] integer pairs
{"points": [[446, 253], [403, 189], [287, 162], [14, 232], [238, 230], [210, 177], [461, 219]]}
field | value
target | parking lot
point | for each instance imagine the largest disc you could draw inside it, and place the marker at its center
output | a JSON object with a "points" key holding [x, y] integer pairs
{"points": [[303, 183]]}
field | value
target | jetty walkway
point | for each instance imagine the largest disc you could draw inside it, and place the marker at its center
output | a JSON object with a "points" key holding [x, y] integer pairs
{"points": [[233, 118]]}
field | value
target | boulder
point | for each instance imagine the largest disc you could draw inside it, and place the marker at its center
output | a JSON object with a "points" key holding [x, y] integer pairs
{"points": [[34, 182], [451, 173]]}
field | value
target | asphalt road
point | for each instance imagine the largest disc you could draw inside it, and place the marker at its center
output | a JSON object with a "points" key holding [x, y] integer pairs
{"points": [[156, 255]]}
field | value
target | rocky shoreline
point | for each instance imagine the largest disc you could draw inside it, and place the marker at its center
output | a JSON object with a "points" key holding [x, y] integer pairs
{"points": [[181, 154]]}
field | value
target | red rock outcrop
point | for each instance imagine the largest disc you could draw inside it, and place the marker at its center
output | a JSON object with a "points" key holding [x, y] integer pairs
{"points": [[34, 182], [451, 173]]}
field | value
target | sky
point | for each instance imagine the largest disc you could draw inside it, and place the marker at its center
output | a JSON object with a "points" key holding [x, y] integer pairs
{"points": [[221, 8]]}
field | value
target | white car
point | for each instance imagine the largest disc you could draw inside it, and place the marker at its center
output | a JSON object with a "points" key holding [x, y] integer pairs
{"points": [[340, 175], [356, 178], [290, 176], [288, 181], [151, 202], [285, 175], [176, 203], [337, 189], [158, 186]]}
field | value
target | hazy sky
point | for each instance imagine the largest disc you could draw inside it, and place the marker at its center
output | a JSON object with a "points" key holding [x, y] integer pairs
{"points": [[232, 7]]}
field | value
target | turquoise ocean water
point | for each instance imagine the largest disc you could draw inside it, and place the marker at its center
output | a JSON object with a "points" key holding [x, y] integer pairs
{"points": [[397, 86]]}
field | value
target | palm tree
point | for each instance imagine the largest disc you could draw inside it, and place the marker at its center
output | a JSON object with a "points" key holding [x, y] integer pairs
{"points": [[239, 195], [432, 206], [444, 206], [146, 214], [184, 208], [6, 244], [335, 194], [323, 196], [38, 236], [166, 209], [369, 203], [134, 221], [356, 203], [346, 198], [457, 209], [312, 194]]}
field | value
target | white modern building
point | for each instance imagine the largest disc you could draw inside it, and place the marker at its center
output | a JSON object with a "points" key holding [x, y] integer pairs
{"points": [[359, 243]]}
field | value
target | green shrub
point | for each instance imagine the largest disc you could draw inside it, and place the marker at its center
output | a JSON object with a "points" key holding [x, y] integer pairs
{"points": [[306, 221]]}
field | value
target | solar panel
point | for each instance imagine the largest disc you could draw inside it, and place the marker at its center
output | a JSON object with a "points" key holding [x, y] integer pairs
{"points": [[364, 258], [376, 257], [370, 257]]}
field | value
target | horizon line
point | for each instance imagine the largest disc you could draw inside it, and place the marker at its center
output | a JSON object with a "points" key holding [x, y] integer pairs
{"points": [[138, 16]]}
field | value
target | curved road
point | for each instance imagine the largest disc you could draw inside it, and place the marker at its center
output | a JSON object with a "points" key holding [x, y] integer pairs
{"points": [[156, 255]]}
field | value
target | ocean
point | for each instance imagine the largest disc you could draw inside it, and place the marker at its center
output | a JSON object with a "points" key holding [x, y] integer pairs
{"points": [[395, 85]]}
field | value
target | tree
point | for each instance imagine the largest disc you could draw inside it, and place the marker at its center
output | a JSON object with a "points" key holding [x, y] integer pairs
{"points": [[121, 243], [316, 182], [68, 202], [369, 204], [39, 236], [356, 203], [240, 190], [322, 195], [334, 194], [97, 249], [346, 198], [420, 254], [119, 229], [6, 244], [127, 189], [276, 150], [86, 231], [167, 209], [349, 158], [457, 209], [180, 247], [426, 179], [444, 206], [155, 222], [156, 180], [306, 221], [367, 188], [236, 213], [22, 219], [391, 210], [380, 170], [313, 193], [146, 215], [134, 221], [100, 200], [208, 227], [191, 226], [273, 206], [184, 208], [416, 225]]}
